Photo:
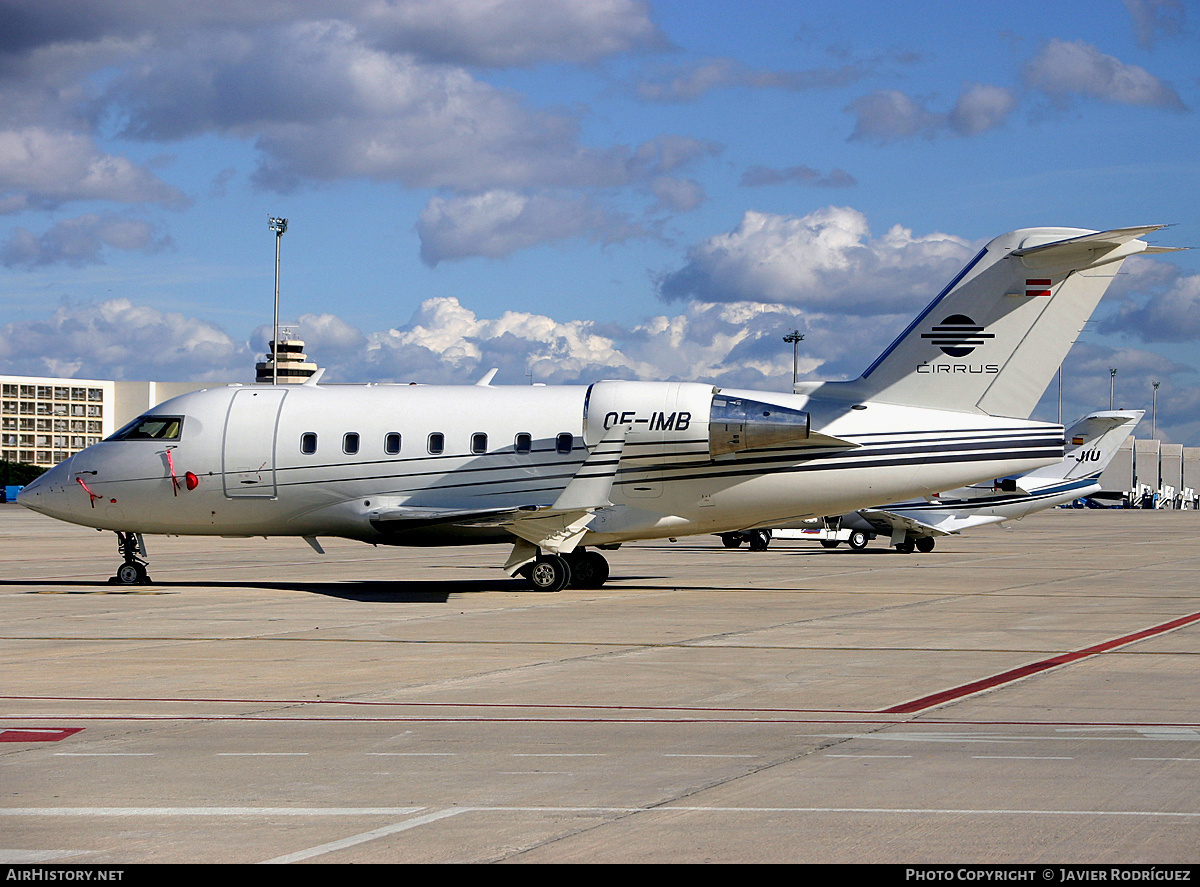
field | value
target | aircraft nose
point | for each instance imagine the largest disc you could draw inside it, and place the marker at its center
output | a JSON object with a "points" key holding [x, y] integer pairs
{"points": [[45, 492]]}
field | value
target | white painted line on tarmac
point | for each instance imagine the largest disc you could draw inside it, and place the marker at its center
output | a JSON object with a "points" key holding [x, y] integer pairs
{"points": [[405, 811], [1022, 758], [208, 811], [364, 837], [29, 857]]}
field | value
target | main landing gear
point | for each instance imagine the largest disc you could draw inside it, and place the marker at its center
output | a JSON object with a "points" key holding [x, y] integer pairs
{"points": [[923, 544], [758, 539], [133, 550], [579, 569]]}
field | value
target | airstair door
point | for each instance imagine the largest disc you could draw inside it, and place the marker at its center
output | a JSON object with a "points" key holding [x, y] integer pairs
{"points": [[248, 458]]}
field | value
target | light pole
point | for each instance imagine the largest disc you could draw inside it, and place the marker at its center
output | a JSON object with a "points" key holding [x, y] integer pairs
{"points": [[1154, 411], [795, 337], [1060, 394], [279, 226], [1112, 384]]}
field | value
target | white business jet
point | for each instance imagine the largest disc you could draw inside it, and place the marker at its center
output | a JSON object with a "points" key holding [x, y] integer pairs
{"points": [[1091, 444], [556, 470]]}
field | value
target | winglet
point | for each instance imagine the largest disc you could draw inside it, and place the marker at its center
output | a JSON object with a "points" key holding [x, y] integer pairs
{"points": [[592, 483], [486, 381]]}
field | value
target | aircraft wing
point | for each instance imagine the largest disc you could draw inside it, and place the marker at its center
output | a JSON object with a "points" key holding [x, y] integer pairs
{"points": [[556, 527], [886, 523], [399, 518]]}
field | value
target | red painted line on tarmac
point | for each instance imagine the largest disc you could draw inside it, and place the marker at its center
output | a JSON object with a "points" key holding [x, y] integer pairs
{"points": [[833, 715], [37, 734], [557, 706], [1023, 671]]}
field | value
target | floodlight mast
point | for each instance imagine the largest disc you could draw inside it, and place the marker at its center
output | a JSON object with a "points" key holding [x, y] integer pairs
{"points": [[279, 226], [795, 338]]}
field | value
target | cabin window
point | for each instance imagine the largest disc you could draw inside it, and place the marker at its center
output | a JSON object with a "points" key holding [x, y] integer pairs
{"points": [[523, 444], [563, 443], [478, 443], [350, 443], [308, 443], [437, 443], [391, 443]]}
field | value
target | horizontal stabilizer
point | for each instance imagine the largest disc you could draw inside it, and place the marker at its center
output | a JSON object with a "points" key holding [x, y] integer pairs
{"points": [[992, 340], [1088, 250]]}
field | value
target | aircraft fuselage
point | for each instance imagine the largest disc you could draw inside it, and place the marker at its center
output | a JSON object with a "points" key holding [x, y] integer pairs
{"points": [[335, 460]]}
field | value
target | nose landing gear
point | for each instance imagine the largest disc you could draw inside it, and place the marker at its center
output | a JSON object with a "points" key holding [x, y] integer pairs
{"points": [[133, 550]]}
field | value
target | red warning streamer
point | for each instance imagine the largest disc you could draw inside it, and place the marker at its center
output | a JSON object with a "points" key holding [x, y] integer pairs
{"points": [[92, 497], [174, 479]]}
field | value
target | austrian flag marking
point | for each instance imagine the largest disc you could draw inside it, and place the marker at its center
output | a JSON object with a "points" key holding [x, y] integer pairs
{"points": [[1038, 286]]}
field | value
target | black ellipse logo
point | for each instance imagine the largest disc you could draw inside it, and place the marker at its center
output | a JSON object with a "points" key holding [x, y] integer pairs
{"points": [[957, 335]]}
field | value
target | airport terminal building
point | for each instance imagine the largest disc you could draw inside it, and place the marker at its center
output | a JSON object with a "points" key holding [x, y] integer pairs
{"points": [[44, 420]]}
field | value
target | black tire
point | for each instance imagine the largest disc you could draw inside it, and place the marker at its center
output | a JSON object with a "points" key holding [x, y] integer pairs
{"points": [[588, 570], [829, 543], [131, 574], [731, 540], [858, 540], [925, 544], [549, 573], [905, 547], [759, 540]]}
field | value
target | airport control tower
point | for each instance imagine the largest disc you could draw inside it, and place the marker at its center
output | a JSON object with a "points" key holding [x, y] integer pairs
{"points": [[294, 365]]}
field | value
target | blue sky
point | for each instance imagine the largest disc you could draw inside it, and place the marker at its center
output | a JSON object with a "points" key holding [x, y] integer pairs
{"points": [[581, 190]]}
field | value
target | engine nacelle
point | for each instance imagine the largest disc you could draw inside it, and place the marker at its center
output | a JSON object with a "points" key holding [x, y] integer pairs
{"points": [[737, 423], [689, 412]]}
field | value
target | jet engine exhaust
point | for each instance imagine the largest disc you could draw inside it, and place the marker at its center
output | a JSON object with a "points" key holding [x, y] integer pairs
{"points": [[736, 424]]}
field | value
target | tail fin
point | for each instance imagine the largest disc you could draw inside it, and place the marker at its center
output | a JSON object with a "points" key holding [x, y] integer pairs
{"points": [[1091, 444], [993, 339]]}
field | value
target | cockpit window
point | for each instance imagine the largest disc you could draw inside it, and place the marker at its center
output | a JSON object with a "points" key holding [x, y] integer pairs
{"points": [[151, 428]]}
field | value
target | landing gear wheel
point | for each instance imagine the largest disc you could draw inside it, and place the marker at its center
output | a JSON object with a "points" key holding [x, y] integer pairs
{"points": [[731, 540], [131, 574], [857, 540], [549, 573], [759, 540], [133, 550], [588, 569], [905, 547], [829, 543], [924, 544]]}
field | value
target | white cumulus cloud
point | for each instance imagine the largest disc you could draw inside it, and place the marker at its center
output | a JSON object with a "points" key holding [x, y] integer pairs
{"points": [[1065, 68], [824, 261]]}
